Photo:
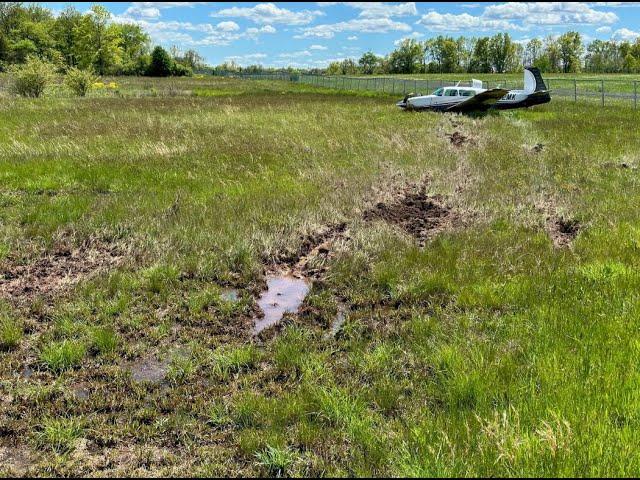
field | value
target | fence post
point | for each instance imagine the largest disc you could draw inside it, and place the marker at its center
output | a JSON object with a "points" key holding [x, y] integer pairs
{"points": [[602, 88], [575, 90]]}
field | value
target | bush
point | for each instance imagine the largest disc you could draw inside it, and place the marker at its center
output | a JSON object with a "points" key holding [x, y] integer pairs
{"points": [[179, 70], [31, 78], [80, 81]]}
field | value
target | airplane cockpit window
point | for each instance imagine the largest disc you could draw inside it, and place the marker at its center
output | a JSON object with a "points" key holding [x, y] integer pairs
{"points": [[438, 92]]}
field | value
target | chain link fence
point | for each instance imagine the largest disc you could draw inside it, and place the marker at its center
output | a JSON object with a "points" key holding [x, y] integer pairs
{"points": [[600, 91]]}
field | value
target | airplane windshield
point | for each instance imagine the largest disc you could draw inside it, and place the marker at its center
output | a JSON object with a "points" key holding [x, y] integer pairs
{"points": [[438, 92]]}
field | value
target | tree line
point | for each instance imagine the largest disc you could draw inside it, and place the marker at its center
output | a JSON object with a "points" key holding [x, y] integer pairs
{"points": [[87, 41], [499, 53]]}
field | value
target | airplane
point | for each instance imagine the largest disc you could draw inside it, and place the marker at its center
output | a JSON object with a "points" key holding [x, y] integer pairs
{"points": [[477, 99]]}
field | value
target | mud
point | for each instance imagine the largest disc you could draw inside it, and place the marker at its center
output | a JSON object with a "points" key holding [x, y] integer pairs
{"points": [[313, 245], [149, 370], [56, 271], [14, 461], [457, 139], [417, 213], [284, 294], [562, 231], [537, 148]]}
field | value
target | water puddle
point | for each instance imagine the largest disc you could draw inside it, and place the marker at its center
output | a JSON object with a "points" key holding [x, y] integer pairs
{"points": [[341, 316], [284, 294], [230, 295]]}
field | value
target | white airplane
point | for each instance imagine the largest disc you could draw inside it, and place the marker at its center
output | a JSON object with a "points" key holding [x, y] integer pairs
{"points": [[477, 99]]}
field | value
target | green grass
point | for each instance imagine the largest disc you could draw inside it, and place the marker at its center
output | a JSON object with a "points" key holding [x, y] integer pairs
{"points": [[488, 352]]}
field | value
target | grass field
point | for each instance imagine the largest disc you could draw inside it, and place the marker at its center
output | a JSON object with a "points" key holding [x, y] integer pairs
{"points": [[486, 270]]}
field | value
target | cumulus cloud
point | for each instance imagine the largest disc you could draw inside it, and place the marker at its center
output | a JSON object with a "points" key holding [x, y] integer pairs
{"points": [[317, 47], [625, 34], [449, 22], [365, 25], [269, 13], [379, 9], [603, 29], [550, 13], [519, 16]]}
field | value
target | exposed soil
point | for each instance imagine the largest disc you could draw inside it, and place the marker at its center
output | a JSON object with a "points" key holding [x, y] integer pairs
{"points": [[562, 231], [417, 213], [311, 246], [537, 148], [457, 139], [55, 271]]}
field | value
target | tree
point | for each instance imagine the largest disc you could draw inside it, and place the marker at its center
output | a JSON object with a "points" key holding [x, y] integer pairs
{"points": [[98, 43], [369, 62], [533, 51], [481, 57], [502, 53], [161, 63], [570, 46], [407, 58], [65, 33]]}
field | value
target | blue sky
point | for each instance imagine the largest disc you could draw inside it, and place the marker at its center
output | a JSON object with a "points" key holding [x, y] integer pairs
{"points": [[312, 34]]}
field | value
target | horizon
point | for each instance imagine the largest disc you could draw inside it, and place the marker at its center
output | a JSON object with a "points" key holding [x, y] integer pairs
{"points": [[314, 34]]}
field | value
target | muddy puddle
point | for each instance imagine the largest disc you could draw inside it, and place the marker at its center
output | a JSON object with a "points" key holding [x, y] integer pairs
{"points": [[230, 295], [284, 294], [338, 322]]}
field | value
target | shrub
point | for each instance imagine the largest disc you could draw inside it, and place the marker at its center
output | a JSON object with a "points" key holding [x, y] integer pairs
{"points": [[31, 78], [80, 81], [59, 434], [179, 70], [276, 461], [10, 332], [63, 355]]}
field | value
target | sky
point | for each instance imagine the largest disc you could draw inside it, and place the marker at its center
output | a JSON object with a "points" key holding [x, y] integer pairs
{"points": [[313, 34]]}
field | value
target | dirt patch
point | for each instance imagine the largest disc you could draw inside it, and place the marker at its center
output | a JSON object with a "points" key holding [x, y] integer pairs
{"points": [[311, 246], [55, 271], [562, 230], [457, 139], [622, 165], [149, 370], [417, 213], [14, 461]]}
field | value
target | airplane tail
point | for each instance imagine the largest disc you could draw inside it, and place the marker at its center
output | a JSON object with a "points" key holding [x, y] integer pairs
{"points": [[533, 81]]}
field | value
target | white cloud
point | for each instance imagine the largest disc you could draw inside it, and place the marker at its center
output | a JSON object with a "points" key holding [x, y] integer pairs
{"points": [[366, 25], [144, 12], [228, 26], [269, 13], [253, 32], [603, 30], [379, 9], [317, 47], [449, 22], [352, 38], [625, 34], [302, 53], [247, 59], [550, 13]]}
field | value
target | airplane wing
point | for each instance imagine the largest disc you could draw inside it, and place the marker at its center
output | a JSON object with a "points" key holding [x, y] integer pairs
{"points": [[480, 102]]}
